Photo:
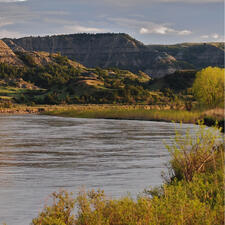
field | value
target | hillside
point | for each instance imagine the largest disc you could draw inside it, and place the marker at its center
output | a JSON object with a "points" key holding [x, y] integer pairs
{"points": [[124, 52], [48, 78]]}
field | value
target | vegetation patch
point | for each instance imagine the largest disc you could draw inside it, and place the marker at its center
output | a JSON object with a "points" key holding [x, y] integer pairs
{"points": [[137, 112]]}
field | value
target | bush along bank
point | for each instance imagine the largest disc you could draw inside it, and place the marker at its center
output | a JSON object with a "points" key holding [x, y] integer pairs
{"points": [[192, 194]]}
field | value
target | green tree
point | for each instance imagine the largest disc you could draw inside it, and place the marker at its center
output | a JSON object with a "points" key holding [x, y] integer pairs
{"points": [[208, 86]]}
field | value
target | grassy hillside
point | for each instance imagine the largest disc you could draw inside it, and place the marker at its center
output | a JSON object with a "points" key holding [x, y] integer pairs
{"points": [[54, 79]]}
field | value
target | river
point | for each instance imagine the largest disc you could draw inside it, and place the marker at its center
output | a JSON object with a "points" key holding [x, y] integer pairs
{"points": [[42, 154]]}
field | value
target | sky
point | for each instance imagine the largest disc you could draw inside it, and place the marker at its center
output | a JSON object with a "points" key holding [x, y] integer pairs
{"points": [[149, 21]]}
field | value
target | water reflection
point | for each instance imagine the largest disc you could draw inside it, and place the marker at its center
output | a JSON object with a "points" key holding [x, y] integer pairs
{"points": [[40, 154]]}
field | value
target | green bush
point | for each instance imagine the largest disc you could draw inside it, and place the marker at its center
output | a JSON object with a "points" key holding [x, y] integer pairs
{"points": [[60, 213], [193, 154]]}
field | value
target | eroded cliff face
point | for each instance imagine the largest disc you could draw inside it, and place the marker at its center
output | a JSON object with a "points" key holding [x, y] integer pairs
{"points": [[8, 56], [124, 52]]}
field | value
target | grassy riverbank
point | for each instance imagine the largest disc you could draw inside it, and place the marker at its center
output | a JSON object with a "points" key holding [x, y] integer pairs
{"points": [[127, 112], [138, 112], [193, 193]]}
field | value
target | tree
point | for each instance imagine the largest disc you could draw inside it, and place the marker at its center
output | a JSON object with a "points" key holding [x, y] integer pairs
{"points": [[208, 86]]}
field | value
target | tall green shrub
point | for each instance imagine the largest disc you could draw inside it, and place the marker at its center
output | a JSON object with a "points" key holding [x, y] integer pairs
{"points": [[194, 153]]}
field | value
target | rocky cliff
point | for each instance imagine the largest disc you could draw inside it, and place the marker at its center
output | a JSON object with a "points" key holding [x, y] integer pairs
{"points": [[124, 52], [8, 56]]}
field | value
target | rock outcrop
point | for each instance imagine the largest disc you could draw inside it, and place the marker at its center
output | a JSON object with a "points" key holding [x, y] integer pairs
{"points": [[8, 56], [124, 52]]}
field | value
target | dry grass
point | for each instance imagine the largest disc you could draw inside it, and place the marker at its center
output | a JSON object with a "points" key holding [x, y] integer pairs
{"points": [[130, 112], [217, 113]]}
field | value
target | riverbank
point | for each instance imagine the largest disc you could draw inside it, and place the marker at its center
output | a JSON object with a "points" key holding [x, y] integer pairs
{"points": [[125, 112], [141, 112], [22, 110]]}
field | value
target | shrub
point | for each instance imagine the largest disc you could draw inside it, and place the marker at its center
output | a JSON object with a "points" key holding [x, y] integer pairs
{"points": [[60, 213], [194, 154]]}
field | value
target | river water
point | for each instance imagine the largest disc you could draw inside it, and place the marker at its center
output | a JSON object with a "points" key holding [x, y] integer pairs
{"points": [[43, 154]]}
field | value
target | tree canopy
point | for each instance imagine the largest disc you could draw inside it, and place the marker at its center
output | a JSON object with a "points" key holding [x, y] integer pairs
{"points": [[208, 86]]}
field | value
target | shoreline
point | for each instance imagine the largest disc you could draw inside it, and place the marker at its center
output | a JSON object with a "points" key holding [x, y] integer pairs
{"points": [[28, 110], [122, 112]]}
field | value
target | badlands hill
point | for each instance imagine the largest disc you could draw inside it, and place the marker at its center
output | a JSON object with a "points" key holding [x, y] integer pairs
{"points": [[124, 52]]}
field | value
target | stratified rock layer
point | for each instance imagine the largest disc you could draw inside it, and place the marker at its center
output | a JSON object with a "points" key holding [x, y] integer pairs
{"points": [[124, 52]]}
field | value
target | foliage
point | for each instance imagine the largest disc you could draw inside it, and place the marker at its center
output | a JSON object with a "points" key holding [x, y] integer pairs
{"points": [[60, 213], [62, 60], [27, 59], [81, 85], [194, 154], [208, 87], [8, 72], [67, 84], [177, 82]]}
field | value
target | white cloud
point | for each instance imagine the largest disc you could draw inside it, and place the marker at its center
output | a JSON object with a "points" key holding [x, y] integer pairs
{"points": [[156, 30], [162, 29], [143, 30], [83, 29], [215, 36], [9, 34], [184, 32], [2, 23], [9, 1], [148, 27]]}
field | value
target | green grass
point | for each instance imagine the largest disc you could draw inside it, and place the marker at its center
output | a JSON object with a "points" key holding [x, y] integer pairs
{"points": [[6, 97], [11, 91]]}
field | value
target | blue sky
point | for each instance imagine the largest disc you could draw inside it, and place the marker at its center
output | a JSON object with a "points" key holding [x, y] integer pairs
{"points": [[149, 21]]}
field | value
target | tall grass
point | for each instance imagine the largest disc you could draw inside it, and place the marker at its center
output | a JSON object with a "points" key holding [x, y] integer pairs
{"points": [[193, 196], [127, 112]]}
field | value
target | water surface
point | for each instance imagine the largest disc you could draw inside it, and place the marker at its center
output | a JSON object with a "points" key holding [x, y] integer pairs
{"points": [[42, 154]]}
